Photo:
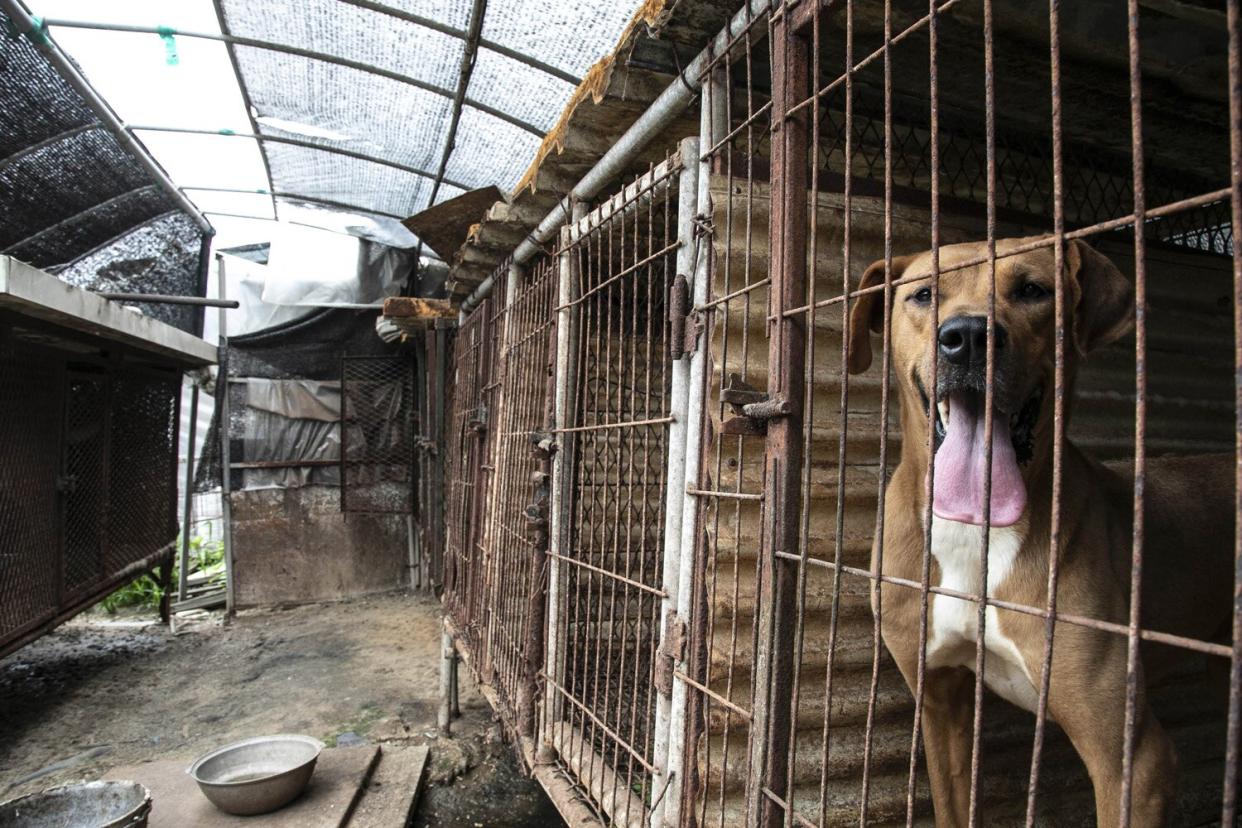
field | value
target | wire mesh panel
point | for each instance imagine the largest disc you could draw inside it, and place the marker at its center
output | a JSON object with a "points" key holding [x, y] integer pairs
{"points": [[30, 544], [611, 490], [517, 534], [142, 465], [88, 488], [377, 434], [83, 483], [471, 382]]}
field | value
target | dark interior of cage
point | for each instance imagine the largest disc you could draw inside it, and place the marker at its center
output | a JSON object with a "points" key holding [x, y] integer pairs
{"points": [[1189, 362], [623, 270]]}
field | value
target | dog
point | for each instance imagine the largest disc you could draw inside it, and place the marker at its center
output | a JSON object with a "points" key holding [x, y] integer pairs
{"points": [[1188, 586]]}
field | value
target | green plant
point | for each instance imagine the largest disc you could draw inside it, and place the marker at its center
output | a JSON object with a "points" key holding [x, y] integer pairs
{"points": [[206, 555]]}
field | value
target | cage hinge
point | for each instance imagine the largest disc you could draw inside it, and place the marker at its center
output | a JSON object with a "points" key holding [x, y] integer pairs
{"points": [[685, 326], [672, 651]]}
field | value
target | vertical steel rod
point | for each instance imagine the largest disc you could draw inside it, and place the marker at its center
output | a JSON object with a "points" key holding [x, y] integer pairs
{"points": [[188, 506], [1233, 743], [783, 449]]}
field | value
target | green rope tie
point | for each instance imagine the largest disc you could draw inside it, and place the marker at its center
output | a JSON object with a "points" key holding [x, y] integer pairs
{"points": [[37, 33], [227, 131], [170, 44]]}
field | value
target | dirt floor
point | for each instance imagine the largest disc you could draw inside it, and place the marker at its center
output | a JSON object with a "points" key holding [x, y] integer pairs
{"points": [[102, 692]]}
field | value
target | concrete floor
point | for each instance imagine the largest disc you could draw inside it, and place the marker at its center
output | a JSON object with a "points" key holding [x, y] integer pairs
{"points": [[104, 692]]}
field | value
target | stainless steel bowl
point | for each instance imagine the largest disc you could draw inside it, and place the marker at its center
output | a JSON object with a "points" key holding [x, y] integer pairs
{"points": [[83, 805], [255, 776]]}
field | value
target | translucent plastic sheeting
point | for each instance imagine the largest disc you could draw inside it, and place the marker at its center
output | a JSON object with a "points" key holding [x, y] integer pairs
{"points": [[289, 421], [336, 271]]}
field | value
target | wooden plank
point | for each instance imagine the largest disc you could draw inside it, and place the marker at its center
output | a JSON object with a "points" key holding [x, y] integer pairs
{"points": [[413, 307], [390, 795], [328, 801]]}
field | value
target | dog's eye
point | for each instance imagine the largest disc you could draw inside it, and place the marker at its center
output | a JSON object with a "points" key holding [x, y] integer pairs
{"points": [[921, 296], [1032, 291]]}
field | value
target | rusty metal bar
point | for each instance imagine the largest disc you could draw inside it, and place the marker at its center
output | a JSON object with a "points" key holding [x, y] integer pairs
{"points": [[1140, 412], [1233, 731], [873, 688], [769, 758], [1119, 223]]}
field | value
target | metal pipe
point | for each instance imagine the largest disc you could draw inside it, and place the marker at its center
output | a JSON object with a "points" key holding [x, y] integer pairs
{"points": [[222, 390], [480, 293], [663, 111], [713, 123], [21, 20], [285, 49], [183, 573], [327, 202], [675, 470], [465, 70], [448, 664], [168, 299], [562, 477], [295, 142]]}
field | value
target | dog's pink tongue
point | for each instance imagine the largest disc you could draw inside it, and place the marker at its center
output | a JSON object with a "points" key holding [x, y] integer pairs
{"points": [[959, 470]]}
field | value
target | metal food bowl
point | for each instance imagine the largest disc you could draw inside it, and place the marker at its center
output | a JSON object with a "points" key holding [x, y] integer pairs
{"points": [[85, 804], [255, 776]]}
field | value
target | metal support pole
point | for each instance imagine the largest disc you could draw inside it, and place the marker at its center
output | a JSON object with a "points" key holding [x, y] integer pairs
{"points": [[675, 502], [414, 564], [562, 476], [713, 125], [226, 506], [782, 470], [167, 299], [448, 667], [188, 506]]}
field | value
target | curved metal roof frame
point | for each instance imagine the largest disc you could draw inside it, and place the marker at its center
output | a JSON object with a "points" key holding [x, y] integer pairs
{"points": [[410, 171]]}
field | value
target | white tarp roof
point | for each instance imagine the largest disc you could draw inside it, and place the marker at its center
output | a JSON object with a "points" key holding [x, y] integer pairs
{"points": [[393, 105]]}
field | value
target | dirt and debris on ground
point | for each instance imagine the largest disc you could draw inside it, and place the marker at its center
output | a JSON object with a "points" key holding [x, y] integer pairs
{"points": [[106, 691]]}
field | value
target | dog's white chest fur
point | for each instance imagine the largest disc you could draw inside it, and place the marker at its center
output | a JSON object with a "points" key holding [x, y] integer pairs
{"points": [[957, 548]]}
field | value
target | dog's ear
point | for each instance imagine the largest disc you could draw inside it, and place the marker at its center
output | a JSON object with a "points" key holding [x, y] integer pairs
{"points": [[868, 312], [1102, 299]]}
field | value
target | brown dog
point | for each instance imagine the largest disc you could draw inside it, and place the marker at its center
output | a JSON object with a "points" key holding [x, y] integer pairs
{"points": [[1190, 584]]}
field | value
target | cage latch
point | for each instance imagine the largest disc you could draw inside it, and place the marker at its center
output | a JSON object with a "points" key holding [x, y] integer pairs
{"points": [[478, 423], [672, 650], [752, 408]]}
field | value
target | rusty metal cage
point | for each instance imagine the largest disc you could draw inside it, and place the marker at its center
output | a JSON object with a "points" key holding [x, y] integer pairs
{"points": [[858, 133], [516, 541], [88, 490], [378, 424], [607, 587], [467, 471], [741, 617]]}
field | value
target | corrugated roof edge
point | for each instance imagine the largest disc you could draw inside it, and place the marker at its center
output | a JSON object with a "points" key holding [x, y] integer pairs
{"points": [[594, 84], [582, 134]]}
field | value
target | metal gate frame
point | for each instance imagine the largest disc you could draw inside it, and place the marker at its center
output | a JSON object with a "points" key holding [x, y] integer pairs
{"points": [[639, 789]]}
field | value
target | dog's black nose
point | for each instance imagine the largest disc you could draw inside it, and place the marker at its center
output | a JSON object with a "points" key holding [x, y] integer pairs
{"points": [[964, 340]]}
